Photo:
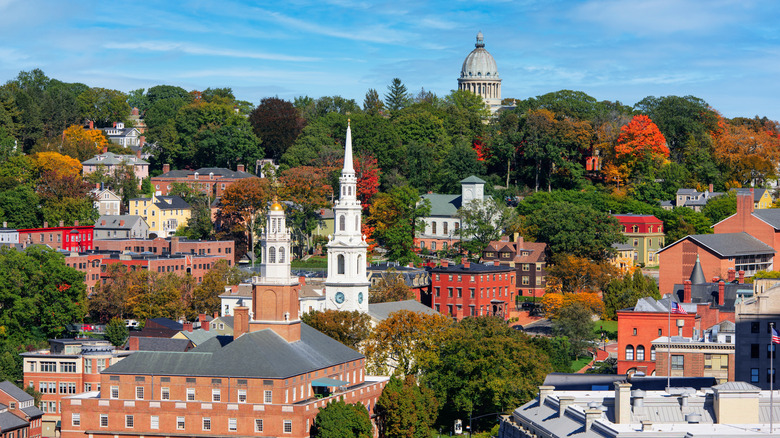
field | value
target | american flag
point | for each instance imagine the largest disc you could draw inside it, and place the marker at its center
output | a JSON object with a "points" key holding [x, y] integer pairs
{"points": [[775, 336], [676, 308]]}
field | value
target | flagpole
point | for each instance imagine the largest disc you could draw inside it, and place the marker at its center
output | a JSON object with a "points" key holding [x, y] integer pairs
{"points": [[771, 374], [669, 348]]}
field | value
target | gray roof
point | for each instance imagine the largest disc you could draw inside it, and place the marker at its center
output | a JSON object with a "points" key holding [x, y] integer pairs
{"points": [[623, 247], [221, 171], [14, 391], [117, 222], [199, 336], [112, 159], [736, 387], [757, 193], [697, 273], [32, 412], [382, 311], [146, 343], [472, 180], [167, 202], [732, 244], [9, 421], [227, 320], [443, 205], [769, 215], [260, 354]]}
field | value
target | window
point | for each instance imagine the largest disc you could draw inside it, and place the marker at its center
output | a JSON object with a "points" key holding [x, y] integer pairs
{"points": [[232, 424], [114, 392], [652, 353], [525, 280], [242, 395], [678, 362], [103, 420], [659, 332], [206, 423], [129, 421], [433, 228], [634, 331], [771, 375], [471, 292], [281, 254], [526, 267], [179, 423], [287, 426], [88, 366], [75, 419], [272, 255], [268, 398], [48, 367], [67, 367], [154, 422], [342, 223], [165, 394], [640, 352], [754, 327], [139, 392], [629, 352], [101, 363], [754, 375], [449, 292], [340, 262], [258, 424], [754, 351], [771, 351], [190, 394], [438, 291], [215, 395]]}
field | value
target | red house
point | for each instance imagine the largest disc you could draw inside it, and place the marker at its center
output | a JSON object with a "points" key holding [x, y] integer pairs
{"points": [[528, 258], [20, 418], [473, 289], [763, 224], [75, 238]]}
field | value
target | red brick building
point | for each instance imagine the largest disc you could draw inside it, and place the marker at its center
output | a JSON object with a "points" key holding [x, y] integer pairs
{"points": [[75, 238], [763, 224], [528, 258], [473, 289], [694, 358], [20, 418], [169, 245], [67, 367], [211, 181]]}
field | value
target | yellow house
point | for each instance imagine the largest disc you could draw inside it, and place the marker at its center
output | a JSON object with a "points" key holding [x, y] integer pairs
{"points": [[761, 197], [164, 214], [624, 257]]}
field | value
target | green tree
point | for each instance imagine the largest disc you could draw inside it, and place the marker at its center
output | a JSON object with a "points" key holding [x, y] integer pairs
{"points": [[575, 323], [349, 328], [342, 420], [575, 229], [720, 207], [372, 104], [557, 349], [622, 293], [395, 217], [483, 221], [683, 221], [405, 409], [205, 297], [397, 96], [116, 332], [484, 366], [460, 162], [104, 106]]}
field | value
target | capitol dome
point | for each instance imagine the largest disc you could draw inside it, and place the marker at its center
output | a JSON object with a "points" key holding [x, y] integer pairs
{"points": [[479, 75], [479, 63]]}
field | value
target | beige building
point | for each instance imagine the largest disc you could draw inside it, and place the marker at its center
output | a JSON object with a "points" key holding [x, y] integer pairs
{"points": [[754, 317], [479, 75]]}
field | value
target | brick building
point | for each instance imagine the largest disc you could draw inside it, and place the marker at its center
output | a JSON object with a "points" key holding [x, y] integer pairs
{"points": [[19, 418], [763, 224], [692, 357], [269, 379], [211, 181], [645, 232], [473, 289], [528, 258], [717, 253], [74, 238], [67, 367], [89, 263], [170, 245]]}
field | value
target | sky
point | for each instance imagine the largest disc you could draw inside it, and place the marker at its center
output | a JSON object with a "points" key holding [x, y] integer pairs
{"points": [[725, 52]]}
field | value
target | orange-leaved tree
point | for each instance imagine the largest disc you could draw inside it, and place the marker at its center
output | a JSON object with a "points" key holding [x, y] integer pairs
{"points": [[552, 303], [242, 205], [307, 187], [640, 139], [55, 162], [750, 155]]}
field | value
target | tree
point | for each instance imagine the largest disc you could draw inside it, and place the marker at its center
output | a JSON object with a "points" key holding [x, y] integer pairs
{"points": [[397, 96], [575, 322], [482, 221], [104, 106], [395, 217], [391, 287], [578, 274], [405, 409], [109, 300], [278, 124], [484, 366], [349, 328], [750, 156], [622, 293], [116, 332], [307, 187], [241, 204], [367, 174], [205, 297], [683, 221], [372, 104], [554, 303], [56, 163], [405, 340], [640, 138], [342, 420], [575, 229], [82, 144]]}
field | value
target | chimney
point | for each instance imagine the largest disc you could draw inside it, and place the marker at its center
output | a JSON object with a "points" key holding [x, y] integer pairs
{"points": [[732, 275], [138, 154], [721, 293], [544, 392], [142, 140], [187, 327], [240, 321], [166, 168], [91, 124], [114, 125], [216, 315], [744, 209], [592, 414], [302, 280], [741, 277], [496, 263], [121, 223], [75, 223], [45, 225], [444, 263], [715, 279], [62, 223], [466, 264], [105, 149], [622, 403], [203, 323], [712, 189], [132, 343], [240, 168], [639, 398], [687, 291], [564, 401], [5, 224]]}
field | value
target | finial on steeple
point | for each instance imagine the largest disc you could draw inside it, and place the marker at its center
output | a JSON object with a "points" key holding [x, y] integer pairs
{"points": [[348, 165], [480, 41]]}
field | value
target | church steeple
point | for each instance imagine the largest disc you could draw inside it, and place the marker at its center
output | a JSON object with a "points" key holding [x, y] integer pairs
{"points": [[348, 164], [348, 181]]}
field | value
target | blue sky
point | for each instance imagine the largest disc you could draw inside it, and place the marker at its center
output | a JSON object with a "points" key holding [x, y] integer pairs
{"points": [[725, 52]]}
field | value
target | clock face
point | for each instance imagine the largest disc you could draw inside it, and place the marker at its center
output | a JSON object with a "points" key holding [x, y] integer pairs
{"points": [[339, 297], [360, 298]]}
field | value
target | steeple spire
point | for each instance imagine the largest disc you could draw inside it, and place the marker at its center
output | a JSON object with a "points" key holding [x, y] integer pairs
{"points": [[348, 165]]}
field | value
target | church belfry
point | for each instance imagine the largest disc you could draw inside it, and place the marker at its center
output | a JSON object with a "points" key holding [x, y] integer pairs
{"points": [[346, 286]]}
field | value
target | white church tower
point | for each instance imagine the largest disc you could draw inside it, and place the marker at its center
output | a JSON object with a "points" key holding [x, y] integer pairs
{"points": [[346, 287], [275, 243]]}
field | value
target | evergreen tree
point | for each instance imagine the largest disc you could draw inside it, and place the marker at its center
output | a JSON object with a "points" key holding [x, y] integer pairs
{"points": [[372, 104], [116, 332], [397, 96]]}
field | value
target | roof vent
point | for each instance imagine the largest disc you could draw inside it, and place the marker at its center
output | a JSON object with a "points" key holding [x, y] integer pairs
{"points": [[693, 418]]}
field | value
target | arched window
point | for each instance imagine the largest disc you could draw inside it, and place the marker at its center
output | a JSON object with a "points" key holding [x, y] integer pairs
{"points": [[272, 255], [281, 254], [342, 223], [640, 352], [444, 227], [340, 263], [629, 352], [357, 267], [652, 353], [433, 227]]}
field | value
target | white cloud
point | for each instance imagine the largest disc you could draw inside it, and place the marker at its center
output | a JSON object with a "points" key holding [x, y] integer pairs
{"points": [[167, 46]]}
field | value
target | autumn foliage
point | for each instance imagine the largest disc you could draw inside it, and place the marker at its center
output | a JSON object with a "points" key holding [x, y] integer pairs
{"points": [[62, 165], [750, 153], [367, 173], [640, 138], [552, 303]]}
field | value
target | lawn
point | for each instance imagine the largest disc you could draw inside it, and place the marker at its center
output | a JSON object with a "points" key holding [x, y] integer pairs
{"points": [[579, 363], [610, 327], [312, 262]]}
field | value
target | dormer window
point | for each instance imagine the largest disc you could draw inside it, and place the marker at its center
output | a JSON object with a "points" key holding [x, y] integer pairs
{"points": [[634, 229]]}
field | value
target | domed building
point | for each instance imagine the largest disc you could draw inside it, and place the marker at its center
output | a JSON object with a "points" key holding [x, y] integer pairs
{"points": [[479, 75]]}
